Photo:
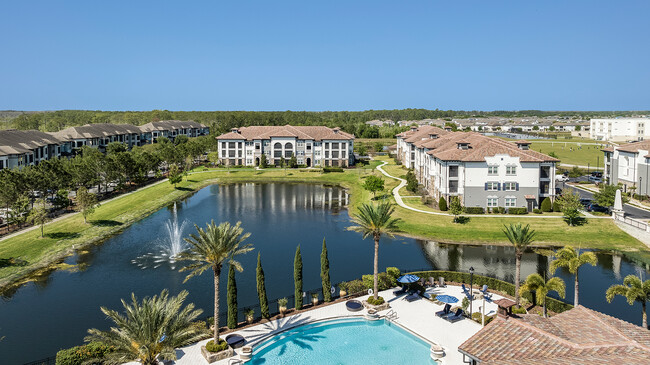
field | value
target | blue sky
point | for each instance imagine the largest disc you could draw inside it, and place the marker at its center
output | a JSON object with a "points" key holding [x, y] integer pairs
{"points": [[334, 55]]}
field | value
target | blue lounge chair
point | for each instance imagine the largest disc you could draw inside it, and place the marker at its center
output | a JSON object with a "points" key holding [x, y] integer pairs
{"points": [[456, 316], [467, 293], [412, 297], [485, 292], [444, 312]]}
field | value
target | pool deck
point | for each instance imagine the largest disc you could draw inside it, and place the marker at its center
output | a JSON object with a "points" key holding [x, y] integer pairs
{"points": [[417, 316]]}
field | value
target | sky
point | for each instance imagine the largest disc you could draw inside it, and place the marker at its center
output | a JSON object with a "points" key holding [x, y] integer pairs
{"points": [[325, 55]]}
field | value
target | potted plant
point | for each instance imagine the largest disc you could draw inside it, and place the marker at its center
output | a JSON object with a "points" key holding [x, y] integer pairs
{"points": [[314, 298], [343, 289], [282, 305], [250, 315]]}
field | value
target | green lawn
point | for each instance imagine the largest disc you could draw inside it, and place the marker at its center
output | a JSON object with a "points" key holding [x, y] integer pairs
{"points": [[572, 153], [70, 233]]}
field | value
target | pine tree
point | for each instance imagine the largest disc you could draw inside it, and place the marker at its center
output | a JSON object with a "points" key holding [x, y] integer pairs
{"points": [[325, 274], [232, 298], [442, 204], [297, 278], [261, 289]]}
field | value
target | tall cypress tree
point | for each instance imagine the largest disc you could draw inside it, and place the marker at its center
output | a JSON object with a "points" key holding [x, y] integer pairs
{"points": [[261, 289], [325, 274], [232, 298], [297, 278]]}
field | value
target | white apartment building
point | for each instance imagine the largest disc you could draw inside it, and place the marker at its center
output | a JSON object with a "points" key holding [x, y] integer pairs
{"points": [[482, 171], [620, 129], [629, 165], [312, 145]]}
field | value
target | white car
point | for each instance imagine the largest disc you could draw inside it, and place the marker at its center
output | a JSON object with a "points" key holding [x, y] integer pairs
{"points": [[561, 178]]}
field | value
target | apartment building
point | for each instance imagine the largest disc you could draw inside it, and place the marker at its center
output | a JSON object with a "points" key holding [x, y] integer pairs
{"points": [[629, 165], [100, 135], [170, 129], [482, 171], [312, 145], [620, 129], [21, 148]]}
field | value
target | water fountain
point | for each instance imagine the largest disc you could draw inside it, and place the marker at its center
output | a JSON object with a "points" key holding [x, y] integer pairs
{"points": [[169, 249]]}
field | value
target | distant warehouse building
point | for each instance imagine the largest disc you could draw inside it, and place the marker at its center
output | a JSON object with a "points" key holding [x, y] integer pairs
{"points": [[629, 165], [481, 171], [312, 146], [620, 129]]}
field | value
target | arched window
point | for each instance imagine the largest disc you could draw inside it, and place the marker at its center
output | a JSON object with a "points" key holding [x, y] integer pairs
{"points": [[288, 150], [277, 150]]}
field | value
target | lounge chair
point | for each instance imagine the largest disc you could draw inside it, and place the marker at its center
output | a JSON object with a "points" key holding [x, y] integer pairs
{"points": [[441, 282], [432, 282], [467, 293], [412, 297], [485, 293], [423, 282], [444, 312], [455, 317], [400, 291]]}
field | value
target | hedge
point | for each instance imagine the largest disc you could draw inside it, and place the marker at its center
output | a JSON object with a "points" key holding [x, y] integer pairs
{"points": [[332, 169], [474, 210], [80, 354], [552, 304], [517, 211]]}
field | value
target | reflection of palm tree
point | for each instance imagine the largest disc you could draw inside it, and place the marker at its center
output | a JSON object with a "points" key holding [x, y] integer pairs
{"points": [[572, 259], [453, 255], [149, 331], [520, 237], [375, 220], [535, 283], [633, 289], [210, 249]]}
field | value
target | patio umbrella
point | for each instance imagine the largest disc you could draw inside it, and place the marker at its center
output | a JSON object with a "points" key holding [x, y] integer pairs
{"points": [[408, 279], [448, 299]]}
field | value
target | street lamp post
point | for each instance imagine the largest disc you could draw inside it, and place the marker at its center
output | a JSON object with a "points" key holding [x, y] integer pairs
{"points": [[471, 293]]}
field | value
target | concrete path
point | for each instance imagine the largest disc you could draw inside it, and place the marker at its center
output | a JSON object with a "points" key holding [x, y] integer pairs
{"points": [[400, 202]]}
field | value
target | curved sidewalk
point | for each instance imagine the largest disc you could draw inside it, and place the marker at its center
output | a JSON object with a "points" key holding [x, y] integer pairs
{"points": [[400, 202]]}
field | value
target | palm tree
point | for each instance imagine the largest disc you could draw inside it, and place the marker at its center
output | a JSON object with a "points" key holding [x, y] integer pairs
{"points": [[149, 331], [572, 259], [375, 220], [535, 283], [211, 248], [633, 289], [520, 237]]}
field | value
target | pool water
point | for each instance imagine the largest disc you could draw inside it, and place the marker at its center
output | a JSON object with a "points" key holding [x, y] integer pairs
{"points": [[346, 341]]}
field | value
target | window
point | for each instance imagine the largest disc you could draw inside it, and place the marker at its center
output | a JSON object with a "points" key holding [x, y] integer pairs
{"points": [[491, 186], [257, 146], [510, 186], [327, 145], [231, 153], [511, 170], [335, 146], [300, 143], [511, 202], [335, 154], [317, 153], [249, 152], [231, 144], [453, 171], [493, 170], [453, 186], [492, 202]]}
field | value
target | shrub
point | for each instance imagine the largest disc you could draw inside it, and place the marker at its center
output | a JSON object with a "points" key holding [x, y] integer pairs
{"points": [[379, 301], [487, 210], [332, 169], [474, 210], [537, 211], [212, 347], [476, 317], [394, 273], [556, 206], [442, 204], [517, 211], [465, 304], [516, 310], [546, 205], [80, 354], [354, 286], [426, 200], [384, 281], [498, 210]]}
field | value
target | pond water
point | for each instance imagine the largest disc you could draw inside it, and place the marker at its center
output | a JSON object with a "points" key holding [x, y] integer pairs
{"points": [[513, 135], [42, 317]]}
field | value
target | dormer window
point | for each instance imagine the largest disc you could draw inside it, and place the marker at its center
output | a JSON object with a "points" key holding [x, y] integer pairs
{"points": [[523, 145], [433, 136], [463, 145]]}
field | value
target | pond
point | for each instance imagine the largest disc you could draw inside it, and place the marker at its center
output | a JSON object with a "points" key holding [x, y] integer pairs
{"points": [[42, 317], [513, 135]]}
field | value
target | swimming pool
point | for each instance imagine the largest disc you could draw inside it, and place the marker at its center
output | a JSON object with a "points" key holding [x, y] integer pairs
{"points": [[343, 341]]}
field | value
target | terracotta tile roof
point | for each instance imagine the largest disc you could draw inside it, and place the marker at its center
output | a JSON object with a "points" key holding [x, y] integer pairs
{"points": [[317, 133], [422, 132], [634, 147], [577, 336]]}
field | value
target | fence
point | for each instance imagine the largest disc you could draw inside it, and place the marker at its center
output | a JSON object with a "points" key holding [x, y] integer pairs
{"points": [[620, 216]]}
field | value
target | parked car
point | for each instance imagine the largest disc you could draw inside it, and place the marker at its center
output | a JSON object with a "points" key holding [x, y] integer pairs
{"points": [[593, 207], [597, 174], [561, 178], [585, 202], [595, 179]]}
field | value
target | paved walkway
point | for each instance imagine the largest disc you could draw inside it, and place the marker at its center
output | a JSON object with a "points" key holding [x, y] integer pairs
{"points": [[400, 202], [417, 316]]}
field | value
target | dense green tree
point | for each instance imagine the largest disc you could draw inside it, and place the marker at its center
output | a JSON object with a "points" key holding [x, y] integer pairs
{"points": [[455, 208], [263, 162], [19, 212], [86, 202], [325, 274], [293, 162], [373, 184], [570, 204], [116, 147], [572, 259], [232, 298], [210, 248], [634, 290], [535, 283], [375, 220], [38, 215], [521, 237], [175, 174], [297, 278], [606, 195], [546, 205], [261, 289], [149, 331], [411, 182], [442, 204]]}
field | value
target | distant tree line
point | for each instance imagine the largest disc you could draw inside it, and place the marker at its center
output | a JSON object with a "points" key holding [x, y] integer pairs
{"points": [[222, 121], [119, 168]]}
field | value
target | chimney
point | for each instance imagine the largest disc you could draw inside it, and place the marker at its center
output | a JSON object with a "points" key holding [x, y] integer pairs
{"points": [[433, 136], [462, 145], [523, 145], [414, 128], [448, 128], [235, 130], [505, 308], [336, 130]]}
